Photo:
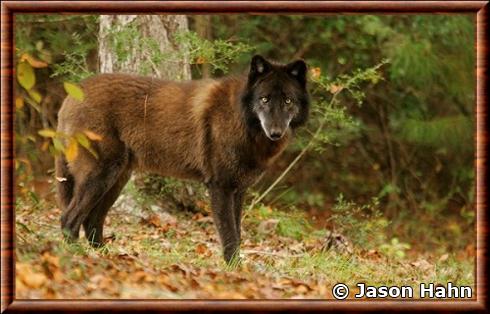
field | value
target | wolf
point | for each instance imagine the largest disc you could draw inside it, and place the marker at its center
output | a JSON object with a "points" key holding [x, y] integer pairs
{"points": [[222, 132]]}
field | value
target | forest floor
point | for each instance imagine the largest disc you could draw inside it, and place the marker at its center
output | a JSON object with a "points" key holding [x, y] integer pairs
{"points": [[151, 253]]}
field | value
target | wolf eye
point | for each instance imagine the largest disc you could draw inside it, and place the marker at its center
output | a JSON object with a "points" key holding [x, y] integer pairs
{"points": [[287, 100], [264, 99]]}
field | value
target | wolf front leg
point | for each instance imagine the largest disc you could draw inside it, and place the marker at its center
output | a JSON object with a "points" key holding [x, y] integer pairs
{"points": [[224, 219]]}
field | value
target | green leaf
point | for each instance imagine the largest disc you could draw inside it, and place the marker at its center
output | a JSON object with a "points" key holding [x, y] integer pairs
{"points": [[47, 133], [74, 91], [58, 146], [35, 95], [25, 75], [85, 142]]}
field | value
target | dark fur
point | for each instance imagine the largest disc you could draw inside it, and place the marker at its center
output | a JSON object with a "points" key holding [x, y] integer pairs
{"points": [[202, 130]]}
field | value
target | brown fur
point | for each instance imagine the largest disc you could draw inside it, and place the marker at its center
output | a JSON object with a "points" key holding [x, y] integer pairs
{"points": [[168, 128], [190, 130]]}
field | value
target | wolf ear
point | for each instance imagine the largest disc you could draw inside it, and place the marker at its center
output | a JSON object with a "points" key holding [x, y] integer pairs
{"points": [[258, 66], [297, 69]]}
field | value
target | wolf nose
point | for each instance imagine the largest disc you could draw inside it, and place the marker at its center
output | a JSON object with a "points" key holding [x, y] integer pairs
{"points": [[275, 135]]}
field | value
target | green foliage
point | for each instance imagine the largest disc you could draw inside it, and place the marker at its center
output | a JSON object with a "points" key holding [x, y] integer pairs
{"points": [[176, 194], [364, 224], [394, 248], [453, 132], [75, 66], [120, 37], [218, 53], [49, 49], [334, 123], [65, 42], [291, 223]]}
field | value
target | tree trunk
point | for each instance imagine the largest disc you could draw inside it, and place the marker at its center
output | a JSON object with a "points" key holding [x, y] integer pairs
{"points": [[139, 59], [130, 44]]}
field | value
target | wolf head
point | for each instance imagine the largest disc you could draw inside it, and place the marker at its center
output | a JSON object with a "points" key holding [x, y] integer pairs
{"points": [[275, 97]]}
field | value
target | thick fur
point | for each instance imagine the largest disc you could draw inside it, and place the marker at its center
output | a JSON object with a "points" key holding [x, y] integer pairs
{"points": [[203, 130]]}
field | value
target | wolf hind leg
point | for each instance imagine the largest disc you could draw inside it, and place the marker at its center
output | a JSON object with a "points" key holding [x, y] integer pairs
{"points": [[88, 191], [94, 223]]}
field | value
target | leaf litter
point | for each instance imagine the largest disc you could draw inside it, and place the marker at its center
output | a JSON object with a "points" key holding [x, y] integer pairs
{"points": [[155, 254]]}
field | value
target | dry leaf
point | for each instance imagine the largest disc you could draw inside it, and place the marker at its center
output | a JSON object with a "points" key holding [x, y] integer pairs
{"points": [[315, 72], [335, 88], [19, 103], [71, 152], [202, 249], [92, 136], [154, 220], [30, 278], [200, 60], [422, 264], [444, 257], [35, 63]]}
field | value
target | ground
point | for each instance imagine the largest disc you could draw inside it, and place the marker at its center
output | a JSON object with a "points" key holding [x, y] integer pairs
{"points": [[151, 253]]}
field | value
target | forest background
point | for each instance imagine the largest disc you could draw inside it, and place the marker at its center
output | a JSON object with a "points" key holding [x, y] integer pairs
{"points": [[384, 169]]}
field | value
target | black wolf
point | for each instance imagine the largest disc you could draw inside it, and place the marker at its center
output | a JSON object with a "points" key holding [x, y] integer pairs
{"points": [[222, 132]]}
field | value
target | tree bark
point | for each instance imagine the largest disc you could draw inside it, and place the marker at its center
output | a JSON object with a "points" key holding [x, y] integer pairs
{"points": [[160, 28]]}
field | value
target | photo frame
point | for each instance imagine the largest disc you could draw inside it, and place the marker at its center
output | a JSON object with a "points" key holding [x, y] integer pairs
{"points": [[10, 304]]}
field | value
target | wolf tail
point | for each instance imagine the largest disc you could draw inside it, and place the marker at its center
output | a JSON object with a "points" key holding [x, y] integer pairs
{"points": [[64, 182]]}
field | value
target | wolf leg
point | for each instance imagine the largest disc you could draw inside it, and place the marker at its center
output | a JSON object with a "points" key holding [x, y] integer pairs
{"points": [[94, 223], [224, 219], [88, 191], [237, 211]]}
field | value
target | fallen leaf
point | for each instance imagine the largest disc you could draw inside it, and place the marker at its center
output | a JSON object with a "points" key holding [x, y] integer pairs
{"points": [[422, 264], [444, 257], [202, 249], [154, 220], [30, 278]]}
